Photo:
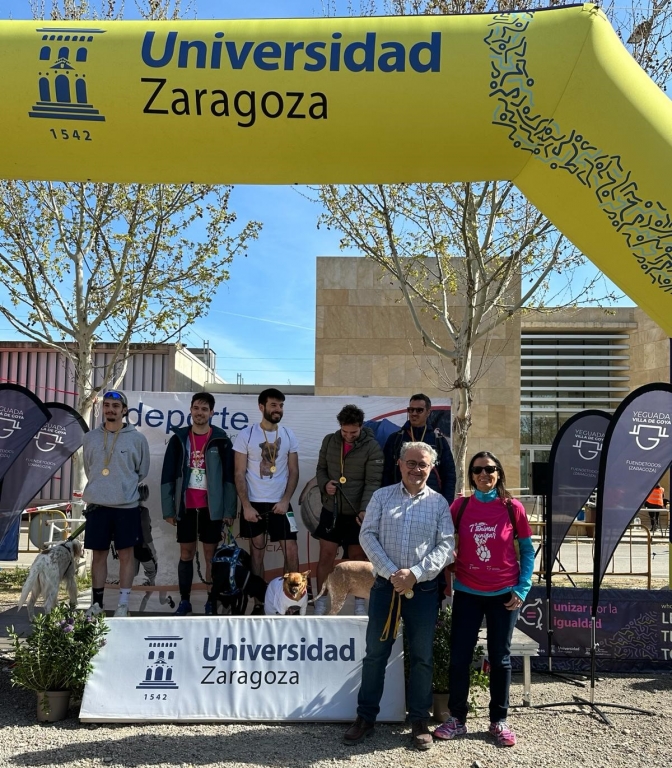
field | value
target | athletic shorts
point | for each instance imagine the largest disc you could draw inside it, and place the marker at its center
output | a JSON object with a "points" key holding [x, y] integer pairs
{"points": [[277, 526], [344, 531], [197, 523], [107, 524]]}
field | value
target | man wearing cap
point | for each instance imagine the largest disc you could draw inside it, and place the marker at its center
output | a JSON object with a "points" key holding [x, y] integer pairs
{"points": [[116, 460]]}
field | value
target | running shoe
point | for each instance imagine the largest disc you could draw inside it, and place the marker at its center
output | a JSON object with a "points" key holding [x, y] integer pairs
{"points": [[451, 729], [183, 609], [503, 733], [122, 611]]}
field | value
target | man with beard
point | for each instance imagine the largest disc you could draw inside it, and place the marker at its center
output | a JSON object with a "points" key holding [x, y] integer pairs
{"points": [[408, 535], [197, 492], [116, 460], [349, 470], [267, 472], [442, 476]]}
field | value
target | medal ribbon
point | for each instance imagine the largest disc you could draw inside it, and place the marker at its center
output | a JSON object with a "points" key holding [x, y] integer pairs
{"points": [[108, 456], [275, 447]]}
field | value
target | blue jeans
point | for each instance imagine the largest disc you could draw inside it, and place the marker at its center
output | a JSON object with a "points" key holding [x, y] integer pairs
{"points": [[419, 615], [468, 613]]}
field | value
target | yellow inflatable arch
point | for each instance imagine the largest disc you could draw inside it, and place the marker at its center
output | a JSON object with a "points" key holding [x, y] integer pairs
{"points": [[549, 99]]}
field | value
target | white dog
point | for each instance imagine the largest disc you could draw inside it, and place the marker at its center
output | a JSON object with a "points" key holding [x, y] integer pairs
{"points": [[48, 570]]}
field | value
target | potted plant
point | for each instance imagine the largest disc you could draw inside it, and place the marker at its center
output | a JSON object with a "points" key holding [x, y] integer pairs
{"points": [[478, 680], [55, 659]]}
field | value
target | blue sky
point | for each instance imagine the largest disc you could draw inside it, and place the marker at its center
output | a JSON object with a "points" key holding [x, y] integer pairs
{"points": [[263, 319]]}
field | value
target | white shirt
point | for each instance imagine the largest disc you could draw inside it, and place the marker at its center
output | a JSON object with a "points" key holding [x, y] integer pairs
{"points": [[263, 452], [404, 531], [276, 600]]}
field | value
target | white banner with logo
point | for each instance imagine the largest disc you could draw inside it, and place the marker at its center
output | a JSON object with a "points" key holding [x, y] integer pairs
{"points": [[310, 418], [236, 669]]}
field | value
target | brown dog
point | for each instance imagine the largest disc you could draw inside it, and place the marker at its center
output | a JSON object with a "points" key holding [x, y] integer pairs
{"points": [[287, 593], [351, 577]]}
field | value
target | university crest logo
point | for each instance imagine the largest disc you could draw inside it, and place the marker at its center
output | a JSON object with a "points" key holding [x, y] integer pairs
{"points": [[62, 83], [160, 661]]}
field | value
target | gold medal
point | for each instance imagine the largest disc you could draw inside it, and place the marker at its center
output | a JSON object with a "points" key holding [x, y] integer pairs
{"points": [[408, 593], [342, 480], [272, 468], [105, 472]]}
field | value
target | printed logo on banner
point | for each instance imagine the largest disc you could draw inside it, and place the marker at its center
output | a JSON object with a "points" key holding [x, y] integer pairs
{"points": [[160, 662], [62, 86], [652, 438], [588, 449], [49, 437], [532, 614], [8, 424]]}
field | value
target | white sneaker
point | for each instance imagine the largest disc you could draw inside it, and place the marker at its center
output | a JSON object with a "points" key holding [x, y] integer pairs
{"points": [[360, 607], [320, 606], [93, 610], [121, 611]]}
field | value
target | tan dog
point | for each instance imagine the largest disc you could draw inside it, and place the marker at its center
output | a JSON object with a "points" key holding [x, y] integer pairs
{"points": [[287, 593], [48, 570], [351, 577]]}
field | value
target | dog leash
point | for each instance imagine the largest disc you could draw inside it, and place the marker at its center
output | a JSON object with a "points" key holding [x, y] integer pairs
{"points": [[395, 606]]}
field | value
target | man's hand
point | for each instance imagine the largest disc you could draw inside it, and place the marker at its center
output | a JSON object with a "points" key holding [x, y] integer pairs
{"points": [[360, 518], [227, 522], [330, 488], [170, 520], [281, 508], [251, 514], [403, 580]]}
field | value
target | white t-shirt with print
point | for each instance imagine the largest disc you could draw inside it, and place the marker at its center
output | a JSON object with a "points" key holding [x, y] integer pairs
{"points": [[262, 452]]}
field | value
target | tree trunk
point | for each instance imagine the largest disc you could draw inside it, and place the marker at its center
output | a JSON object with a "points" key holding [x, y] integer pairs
{"points": [[462, 418], [84, 405]]}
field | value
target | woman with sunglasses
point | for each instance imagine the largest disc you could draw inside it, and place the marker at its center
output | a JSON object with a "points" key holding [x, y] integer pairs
{"points": [[490, 582]]}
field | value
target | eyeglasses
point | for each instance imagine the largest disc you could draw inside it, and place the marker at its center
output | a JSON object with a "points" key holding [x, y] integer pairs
{"points": [[415, 410], [419, 464], [489, 469]]}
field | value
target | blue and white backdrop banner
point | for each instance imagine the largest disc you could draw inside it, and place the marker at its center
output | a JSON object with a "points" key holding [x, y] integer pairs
{"points": [[236, 669]]}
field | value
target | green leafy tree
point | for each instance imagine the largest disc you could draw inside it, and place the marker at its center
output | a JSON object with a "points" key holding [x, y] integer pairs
{"points": [[468, 257], [85, 262]]}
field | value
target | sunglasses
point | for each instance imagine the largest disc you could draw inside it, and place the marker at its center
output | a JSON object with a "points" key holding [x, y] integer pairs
{"points": [[415, 410], [489, 469], [113, 396]]}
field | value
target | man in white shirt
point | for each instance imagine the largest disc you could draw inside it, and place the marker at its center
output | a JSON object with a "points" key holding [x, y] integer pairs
{"points": [[267, 473], [408, 535]]}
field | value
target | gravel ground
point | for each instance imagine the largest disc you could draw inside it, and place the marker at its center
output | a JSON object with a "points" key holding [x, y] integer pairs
{"points": [[560, 738]]}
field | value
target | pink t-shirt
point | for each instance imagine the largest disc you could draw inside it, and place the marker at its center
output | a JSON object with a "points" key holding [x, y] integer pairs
{"points": [[486, 557], [197, 491]]}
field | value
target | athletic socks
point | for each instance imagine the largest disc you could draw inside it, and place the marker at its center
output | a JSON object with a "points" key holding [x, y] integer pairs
{"points": [[360, 606], [321, 606], [185, 575], [98, 596], [124, 594]]}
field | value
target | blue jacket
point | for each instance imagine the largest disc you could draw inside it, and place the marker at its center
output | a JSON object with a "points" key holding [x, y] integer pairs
{"points": [[222, 498], [441, 479]]}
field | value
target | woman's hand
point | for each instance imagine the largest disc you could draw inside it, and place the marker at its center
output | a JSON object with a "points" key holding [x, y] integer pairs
{"points": [[514, 603]]}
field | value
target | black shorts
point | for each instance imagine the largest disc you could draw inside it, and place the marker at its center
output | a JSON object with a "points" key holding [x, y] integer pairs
{"points": [[107, 524], [344, 531], [277, 528], [197, 522]]}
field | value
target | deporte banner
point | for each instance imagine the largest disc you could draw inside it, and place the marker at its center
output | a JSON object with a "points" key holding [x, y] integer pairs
{"points": [[21, 415], [550, 99], [236, 669], [632, 625]]}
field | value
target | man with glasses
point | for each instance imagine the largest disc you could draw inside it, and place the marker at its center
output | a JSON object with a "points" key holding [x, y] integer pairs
{"points": [[116, 460], [442, 476], [408, 535]]}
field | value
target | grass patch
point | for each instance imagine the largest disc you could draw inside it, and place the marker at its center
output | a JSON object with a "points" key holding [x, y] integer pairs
{"points": [[13, 579]]}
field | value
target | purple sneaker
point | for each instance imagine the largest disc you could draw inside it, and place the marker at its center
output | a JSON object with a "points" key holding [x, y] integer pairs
{"points": [[505, 736], [451, 729]]}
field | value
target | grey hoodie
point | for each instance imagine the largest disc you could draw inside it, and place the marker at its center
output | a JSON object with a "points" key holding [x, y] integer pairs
{"points": [[128, 465]]}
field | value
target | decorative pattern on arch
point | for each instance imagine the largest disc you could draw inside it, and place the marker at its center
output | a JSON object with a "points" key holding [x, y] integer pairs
{"points": [[646, 225]]}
